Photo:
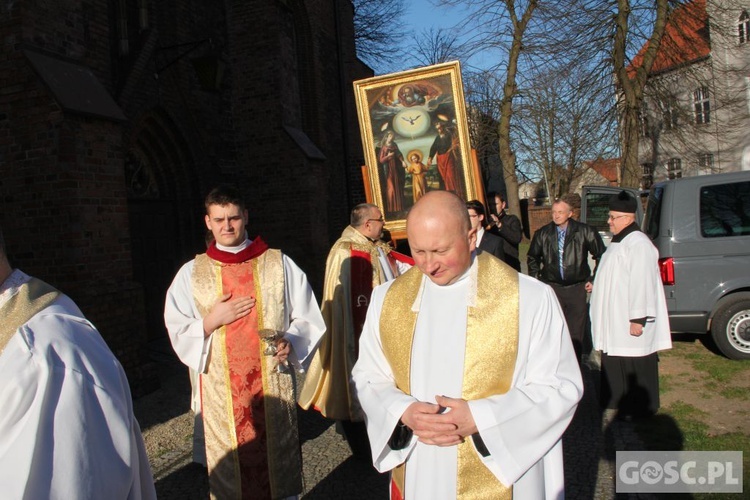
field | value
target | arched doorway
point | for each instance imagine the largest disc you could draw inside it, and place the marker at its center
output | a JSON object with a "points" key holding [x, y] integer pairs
{"points": [[159, 177]]}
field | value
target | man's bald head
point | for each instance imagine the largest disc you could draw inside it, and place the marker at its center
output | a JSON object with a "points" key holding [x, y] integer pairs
{"points": [[440, 236], [444, 204]]}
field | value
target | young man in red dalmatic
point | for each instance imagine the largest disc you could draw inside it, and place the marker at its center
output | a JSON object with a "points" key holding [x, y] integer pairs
{"points": [[217, 309]]}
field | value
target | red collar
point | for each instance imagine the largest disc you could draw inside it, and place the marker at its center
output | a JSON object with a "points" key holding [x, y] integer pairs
{"points": [[255, 249]]}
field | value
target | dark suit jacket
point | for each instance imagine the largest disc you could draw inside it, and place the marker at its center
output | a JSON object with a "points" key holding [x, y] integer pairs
{"points": [[492, 244], [511, 234]]}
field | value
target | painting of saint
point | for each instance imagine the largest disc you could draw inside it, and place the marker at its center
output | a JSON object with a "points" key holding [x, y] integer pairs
{"points": [[393, 166], [420, 111]]}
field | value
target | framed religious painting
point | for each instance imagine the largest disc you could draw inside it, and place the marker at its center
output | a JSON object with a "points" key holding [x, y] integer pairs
{"points": [[415, 138]]}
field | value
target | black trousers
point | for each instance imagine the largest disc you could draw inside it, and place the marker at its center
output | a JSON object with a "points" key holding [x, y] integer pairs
{"points": [[630, 385], [356, 436], [572, 299]]}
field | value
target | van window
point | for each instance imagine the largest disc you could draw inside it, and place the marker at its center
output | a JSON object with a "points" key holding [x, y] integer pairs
{"points": [[725, 210], [597, 210], [653, 212]]}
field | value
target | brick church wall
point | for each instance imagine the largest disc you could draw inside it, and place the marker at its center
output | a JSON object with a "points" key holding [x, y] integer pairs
{"points": [[64, 201]]}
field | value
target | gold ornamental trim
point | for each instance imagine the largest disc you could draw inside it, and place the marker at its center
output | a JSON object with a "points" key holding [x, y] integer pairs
{"points": [[31, 298], [489, 360]]}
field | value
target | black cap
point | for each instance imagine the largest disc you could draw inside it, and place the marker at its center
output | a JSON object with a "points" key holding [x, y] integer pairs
{"points": [[622, 202]]}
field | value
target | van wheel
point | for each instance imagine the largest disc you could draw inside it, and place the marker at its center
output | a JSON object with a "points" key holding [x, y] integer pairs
{"points": [[730, 327]]}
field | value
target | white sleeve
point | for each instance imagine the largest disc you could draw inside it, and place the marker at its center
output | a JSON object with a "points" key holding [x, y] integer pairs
{"points": [[644, 280], [184, 322], [521, 426], [383, 403], [305, 322], [67, 425]]}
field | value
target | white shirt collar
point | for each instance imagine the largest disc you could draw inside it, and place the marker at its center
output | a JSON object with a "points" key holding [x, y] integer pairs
{"points": [[480, 233], [471, 274], [236, 249]]}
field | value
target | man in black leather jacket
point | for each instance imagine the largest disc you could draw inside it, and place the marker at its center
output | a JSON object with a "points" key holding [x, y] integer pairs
{"points": [[570, 276]]}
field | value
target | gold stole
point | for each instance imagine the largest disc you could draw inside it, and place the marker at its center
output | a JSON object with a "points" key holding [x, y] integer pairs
{"points": [[283, 456], [489, 361], [31, 298]]}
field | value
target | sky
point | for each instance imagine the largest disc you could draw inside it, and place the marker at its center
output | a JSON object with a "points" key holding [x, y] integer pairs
{"points": [[423, 15]]}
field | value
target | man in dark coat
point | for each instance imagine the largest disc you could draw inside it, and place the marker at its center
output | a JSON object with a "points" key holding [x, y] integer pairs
{"points": [[558, 256], [507, 227]]}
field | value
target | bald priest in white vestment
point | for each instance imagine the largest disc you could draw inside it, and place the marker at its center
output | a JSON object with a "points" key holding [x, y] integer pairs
{"points": [[67, 429], [466, 371]]}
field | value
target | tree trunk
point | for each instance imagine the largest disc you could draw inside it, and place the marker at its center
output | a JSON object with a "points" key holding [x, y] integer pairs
{"points": [[510, 89], [632, 81], [629, 140]]}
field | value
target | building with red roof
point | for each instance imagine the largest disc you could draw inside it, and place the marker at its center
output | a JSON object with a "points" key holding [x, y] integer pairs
{"points": [[696, 114]]}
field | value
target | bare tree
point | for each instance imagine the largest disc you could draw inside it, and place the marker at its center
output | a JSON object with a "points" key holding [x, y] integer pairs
{"points": [[562, 123], [632, 82], [483, 110], [623, 38], [501, 26], [376, 31], [435, 46]]}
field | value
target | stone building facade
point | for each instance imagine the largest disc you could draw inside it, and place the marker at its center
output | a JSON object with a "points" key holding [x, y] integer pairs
{"points": [[116, 118], [696, 114]]}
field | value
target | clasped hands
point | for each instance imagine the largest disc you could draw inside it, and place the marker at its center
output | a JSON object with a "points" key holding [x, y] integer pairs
{"points": [[446, 423]]}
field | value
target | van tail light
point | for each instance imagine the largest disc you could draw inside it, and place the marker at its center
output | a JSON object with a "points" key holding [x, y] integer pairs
{"points": [[666, 269]]}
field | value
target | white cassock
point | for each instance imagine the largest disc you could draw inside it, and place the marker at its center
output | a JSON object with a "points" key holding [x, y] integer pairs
{"points": [[522, 429], [304, 324], [67, 429], [628, 286]]}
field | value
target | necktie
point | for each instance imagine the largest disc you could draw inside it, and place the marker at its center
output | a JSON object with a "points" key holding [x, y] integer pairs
{"points": [[560, 245]]}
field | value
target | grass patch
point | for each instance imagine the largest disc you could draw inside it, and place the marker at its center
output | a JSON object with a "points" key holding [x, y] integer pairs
{"points": [[666, 383], [721, 369], [681, 426], [741, 393], [678, 427]]}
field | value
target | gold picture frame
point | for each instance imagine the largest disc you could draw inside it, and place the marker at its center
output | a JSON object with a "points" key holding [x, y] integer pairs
{"points": [[415, 138]]}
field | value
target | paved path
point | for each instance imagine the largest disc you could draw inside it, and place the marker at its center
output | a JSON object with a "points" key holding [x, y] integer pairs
{"points": [[330, 472]]}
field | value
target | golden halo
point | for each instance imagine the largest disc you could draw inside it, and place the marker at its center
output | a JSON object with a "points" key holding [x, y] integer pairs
{"points": [[415, 152]]}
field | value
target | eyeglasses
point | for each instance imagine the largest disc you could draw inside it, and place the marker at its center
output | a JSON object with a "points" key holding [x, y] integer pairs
{"points": [[473, 215], [609, 217], [376, 220]]}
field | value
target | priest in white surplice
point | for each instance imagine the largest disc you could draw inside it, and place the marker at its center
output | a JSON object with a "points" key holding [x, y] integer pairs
{"points": [[466, 373], [67, 428], [629, 318]]}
